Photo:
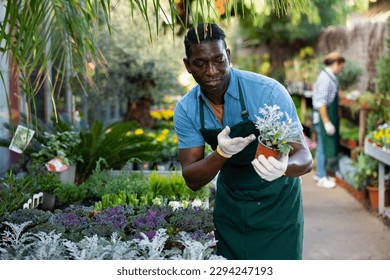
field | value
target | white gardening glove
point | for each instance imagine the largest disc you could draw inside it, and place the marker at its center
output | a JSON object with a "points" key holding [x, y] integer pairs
{"points": [[231, 146], [270, 169], [330, 129]]}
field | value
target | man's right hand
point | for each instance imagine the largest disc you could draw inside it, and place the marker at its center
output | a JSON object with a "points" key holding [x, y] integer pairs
{"points": [[231, 146], [329, 128]]}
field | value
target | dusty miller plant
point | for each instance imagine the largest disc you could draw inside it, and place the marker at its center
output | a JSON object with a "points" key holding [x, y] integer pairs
{"points": [[276, 131], [18, 245], [15, 244], [195, 250]]}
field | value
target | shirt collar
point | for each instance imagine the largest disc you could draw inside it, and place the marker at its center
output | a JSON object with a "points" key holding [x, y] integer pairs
{"points": [[232, 89], [327, 69]]}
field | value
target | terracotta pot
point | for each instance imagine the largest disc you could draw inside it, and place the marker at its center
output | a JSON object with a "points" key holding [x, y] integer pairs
{"points": [[351, 143], [266, 151], [373, 195]]}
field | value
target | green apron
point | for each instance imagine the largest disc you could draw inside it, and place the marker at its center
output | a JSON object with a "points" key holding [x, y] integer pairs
{"points": [[254, 218], [331, 143]]}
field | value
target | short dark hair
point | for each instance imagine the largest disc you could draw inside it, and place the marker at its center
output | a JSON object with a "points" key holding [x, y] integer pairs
{"points": [[203, 32], [333, 57]]}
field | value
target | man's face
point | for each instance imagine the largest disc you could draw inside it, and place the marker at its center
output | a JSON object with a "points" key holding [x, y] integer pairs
{"points": [[339, 67], [209, 64]]}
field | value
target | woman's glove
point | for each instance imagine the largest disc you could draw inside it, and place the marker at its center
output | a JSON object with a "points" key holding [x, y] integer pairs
{"points": [[329, 128], [270, 169], [230, 146]]}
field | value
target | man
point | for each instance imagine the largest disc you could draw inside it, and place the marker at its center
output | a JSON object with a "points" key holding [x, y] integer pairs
{"points": [[326, 119], [258, 207]]}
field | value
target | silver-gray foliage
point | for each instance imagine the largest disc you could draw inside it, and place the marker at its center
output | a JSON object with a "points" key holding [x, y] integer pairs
{"points": [[18, 245]]}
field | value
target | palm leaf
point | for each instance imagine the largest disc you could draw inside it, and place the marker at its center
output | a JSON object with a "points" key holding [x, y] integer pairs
{"points": [[38, 32], [114, 146]]}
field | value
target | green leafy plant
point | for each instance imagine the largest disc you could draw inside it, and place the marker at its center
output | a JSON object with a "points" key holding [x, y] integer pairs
{"points": [[61, 145], [70, 193], [302, 68], [102, 182], [45, 181], [123, 198], [174, 187], [382, 83], [115, 145], [275, 132], [348, 130], [14, 192], [367, 171], [350, 75]]}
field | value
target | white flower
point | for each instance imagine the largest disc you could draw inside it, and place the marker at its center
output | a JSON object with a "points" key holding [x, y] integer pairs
{"points": [[175, 205], [196, 203]]}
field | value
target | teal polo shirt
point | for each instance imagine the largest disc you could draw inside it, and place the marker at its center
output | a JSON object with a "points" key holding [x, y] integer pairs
{"points": [[257, 91]]}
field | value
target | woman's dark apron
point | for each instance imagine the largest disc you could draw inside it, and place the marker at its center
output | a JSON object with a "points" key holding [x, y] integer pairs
{"points": [[254, 218], [331, 142]]}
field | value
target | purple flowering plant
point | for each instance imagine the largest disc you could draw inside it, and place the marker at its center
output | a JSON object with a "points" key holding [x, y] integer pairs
{"points": [[115, 217], [192, 219], [149, 220], [71, 221]]}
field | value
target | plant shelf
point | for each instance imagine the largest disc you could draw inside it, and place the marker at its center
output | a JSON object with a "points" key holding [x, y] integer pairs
{"points": [[384, 159]]}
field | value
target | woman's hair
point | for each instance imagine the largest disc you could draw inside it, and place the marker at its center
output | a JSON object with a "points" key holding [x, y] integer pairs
{"points": [[203, 32]]}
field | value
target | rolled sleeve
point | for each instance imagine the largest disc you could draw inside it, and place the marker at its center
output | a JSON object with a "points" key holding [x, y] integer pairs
{"points": [[282, 98], [188, 135], [321, 94]]}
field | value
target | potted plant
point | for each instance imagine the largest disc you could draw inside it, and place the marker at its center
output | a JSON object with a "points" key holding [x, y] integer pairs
{"points": [[46, 183], [349, 133], [276, 131], [380, 137], [169, 151], [350, 75], [59, 152], [367, 176]]}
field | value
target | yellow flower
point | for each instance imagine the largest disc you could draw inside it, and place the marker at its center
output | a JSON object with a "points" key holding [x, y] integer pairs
{"points": [[167, 114], [151, 134], [175, 139], [165, 131], [128, 133], [139, 131], [156, 115], [160, 138]]}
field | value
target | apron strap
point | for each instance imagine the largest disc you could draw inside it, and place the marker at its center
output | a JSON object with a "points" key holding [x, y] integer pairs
{"points": [[332, 78], [244, 112], [201, 111]]}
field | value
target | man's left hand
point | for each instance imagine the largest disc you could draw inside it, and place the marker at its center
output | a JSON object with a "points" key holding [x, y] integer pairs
{"points": [[270, 169]]}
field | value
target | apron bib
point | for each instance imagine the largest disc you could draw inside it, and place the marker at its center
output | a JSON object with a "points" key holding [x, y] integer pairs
{"points": [[254, 218], [331, 143]]}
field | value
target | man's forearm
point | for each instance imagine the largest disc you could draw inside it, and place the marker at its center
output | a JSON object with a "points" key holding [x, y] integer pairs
{"points": [[323, 113], [200, 173], [300, 160]]}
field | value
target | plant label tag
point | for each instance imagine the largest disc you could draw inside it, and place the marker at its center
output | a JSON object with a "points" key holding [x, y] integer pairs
{"points": [[21, 139]]}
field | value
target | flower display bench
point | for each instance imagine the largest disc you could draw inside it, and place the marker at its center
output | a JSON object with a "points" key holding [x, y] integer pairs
{"points": [[384, 159]]}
